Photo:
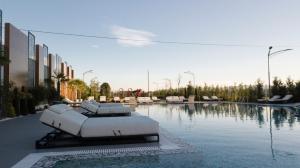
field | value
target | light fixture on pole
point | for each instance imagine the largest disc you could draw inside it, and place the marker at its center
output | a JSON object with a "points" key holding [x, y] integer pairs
{"points": [[94, 78], [269, 73], [84, 73], [191, 73]]}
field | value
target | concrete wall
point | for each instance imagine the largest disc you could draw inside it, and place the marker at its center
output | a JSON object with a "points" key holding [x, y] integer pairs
{"points": [[16, 46]]}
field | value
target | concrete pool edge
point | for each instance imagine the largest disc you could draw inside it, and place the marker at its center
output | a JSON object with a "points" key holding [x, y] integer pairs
{"points": [[168, 145]]}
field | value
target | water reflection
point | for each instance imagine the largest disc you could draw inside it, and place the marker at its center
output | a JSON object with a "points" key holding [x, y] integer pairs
{"points": [[262, 115], [268, 133]]}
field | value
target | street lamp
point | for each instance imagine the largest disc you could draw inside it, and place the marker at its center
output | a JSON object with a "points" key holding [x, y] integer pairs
{"points": [[191, 73], [84, 73], [94, 78], [269, 74]]}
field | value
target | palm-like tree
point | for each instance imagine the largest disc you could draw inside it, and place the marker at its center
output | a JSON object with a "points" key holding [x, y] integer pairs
{"points": [[59, 77], [79, 85]]}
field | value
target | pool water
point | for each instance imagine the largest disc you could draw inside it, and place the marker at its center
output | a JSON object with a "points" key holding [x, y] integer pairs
{"points": [[226, 135]]}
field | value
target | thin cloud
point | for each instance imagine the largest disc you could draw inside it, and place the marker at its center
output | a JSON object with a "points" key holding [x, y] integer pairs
{"points": [[132, 37], [95, 46]]}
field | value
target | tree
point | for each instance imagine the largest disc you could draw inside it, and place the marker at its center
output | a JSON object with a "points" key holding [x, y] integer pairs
{"points": [[94, 87], [4, 60], [297, 91], [259, 88], [80, 86], [178, 82], [278, 87], [59, 77], [190, 90], [290, 85], [105, 89]]}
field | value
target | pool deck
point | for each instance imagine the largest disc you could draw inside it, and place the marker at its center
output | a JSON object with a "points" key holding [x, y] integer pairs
{"points": [[17, 144]]}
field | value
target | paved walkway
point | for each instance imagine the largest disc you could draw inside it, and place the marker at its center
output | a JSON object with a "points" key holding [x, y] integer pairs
{"points": [[18, 137]]}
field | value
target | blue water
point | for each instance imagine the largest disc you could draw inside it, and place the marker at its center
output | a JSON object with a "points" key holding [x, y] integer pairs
{"points": [[226, 135]]}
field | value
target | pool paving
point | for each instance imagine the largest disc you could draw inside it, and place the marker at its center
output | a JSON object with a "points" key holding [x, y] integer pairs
{"points": [[17, 145]]}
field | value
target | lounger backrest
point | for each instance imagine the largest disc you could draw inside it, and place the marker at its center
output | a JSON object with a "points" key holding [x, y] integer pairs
{"points": [[89, 106], [172, 98], [68, 100], [154, 98], [70, 121], [59, 108], [144, 99], [214, 97], [287, 97], [275, 97], [116, 98], [110, 105], [102, 98], [205, 97]]}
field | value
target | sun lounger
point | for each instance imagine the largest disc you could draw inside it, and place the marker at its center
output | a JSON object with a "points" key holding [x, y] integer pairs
{"points": [[264, 100], [215, 98], [182, 98], [144, 100], [206, 98], [117, 99], [173, 99], [104, 109], [155, 99], [130, 100], [102, 99], [70, 102], [75, 129], [285, 99]]}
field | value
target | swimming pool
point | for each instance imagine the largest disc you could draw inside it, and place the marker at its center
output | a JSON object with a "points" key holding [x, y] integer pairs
{"points": [[226, 135]]}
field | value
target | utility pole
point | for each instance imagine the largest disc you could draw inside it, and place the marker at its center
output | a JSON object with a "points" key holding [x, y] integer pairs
{"points": [[148, 84]]}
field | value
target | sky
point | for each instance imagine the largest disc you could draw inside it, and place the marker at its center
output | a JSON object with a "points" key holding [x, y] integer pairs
{"points": [[252, 25]]}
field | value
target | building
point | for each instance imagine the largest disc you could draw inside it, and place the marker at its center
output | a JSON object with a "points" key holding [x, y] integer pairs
{"points": [[17, 50], [1, 53], [31, 64]]}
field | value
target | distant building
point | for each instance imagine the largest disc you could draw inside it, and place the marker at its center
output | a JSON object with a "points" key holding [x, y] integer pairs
{"points": [[31, 64]]}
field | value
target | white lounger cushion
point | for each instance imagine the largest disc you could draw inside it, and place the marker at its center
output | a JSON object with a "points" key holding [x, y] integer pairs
{"points": [[59, 108], [144, 100], [105, 109], [173, 99], [69, 121], [118, 126]]}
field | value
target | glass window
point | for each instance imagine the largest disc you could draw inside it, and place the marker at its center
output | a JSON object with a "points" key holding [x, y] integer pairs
{"points": [[45, 54], [31, 59], [31, 46]]}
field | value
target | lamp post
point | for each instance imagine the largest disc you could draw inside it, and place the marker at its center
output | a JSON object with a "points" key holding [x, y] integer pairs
{"points": [[84, 73], [193, 74], [269, 73]]}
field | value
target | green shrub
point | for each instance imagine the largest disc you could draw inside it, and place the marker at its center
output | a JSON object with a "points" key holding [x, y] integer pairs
{"points": [[10, 110]]}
